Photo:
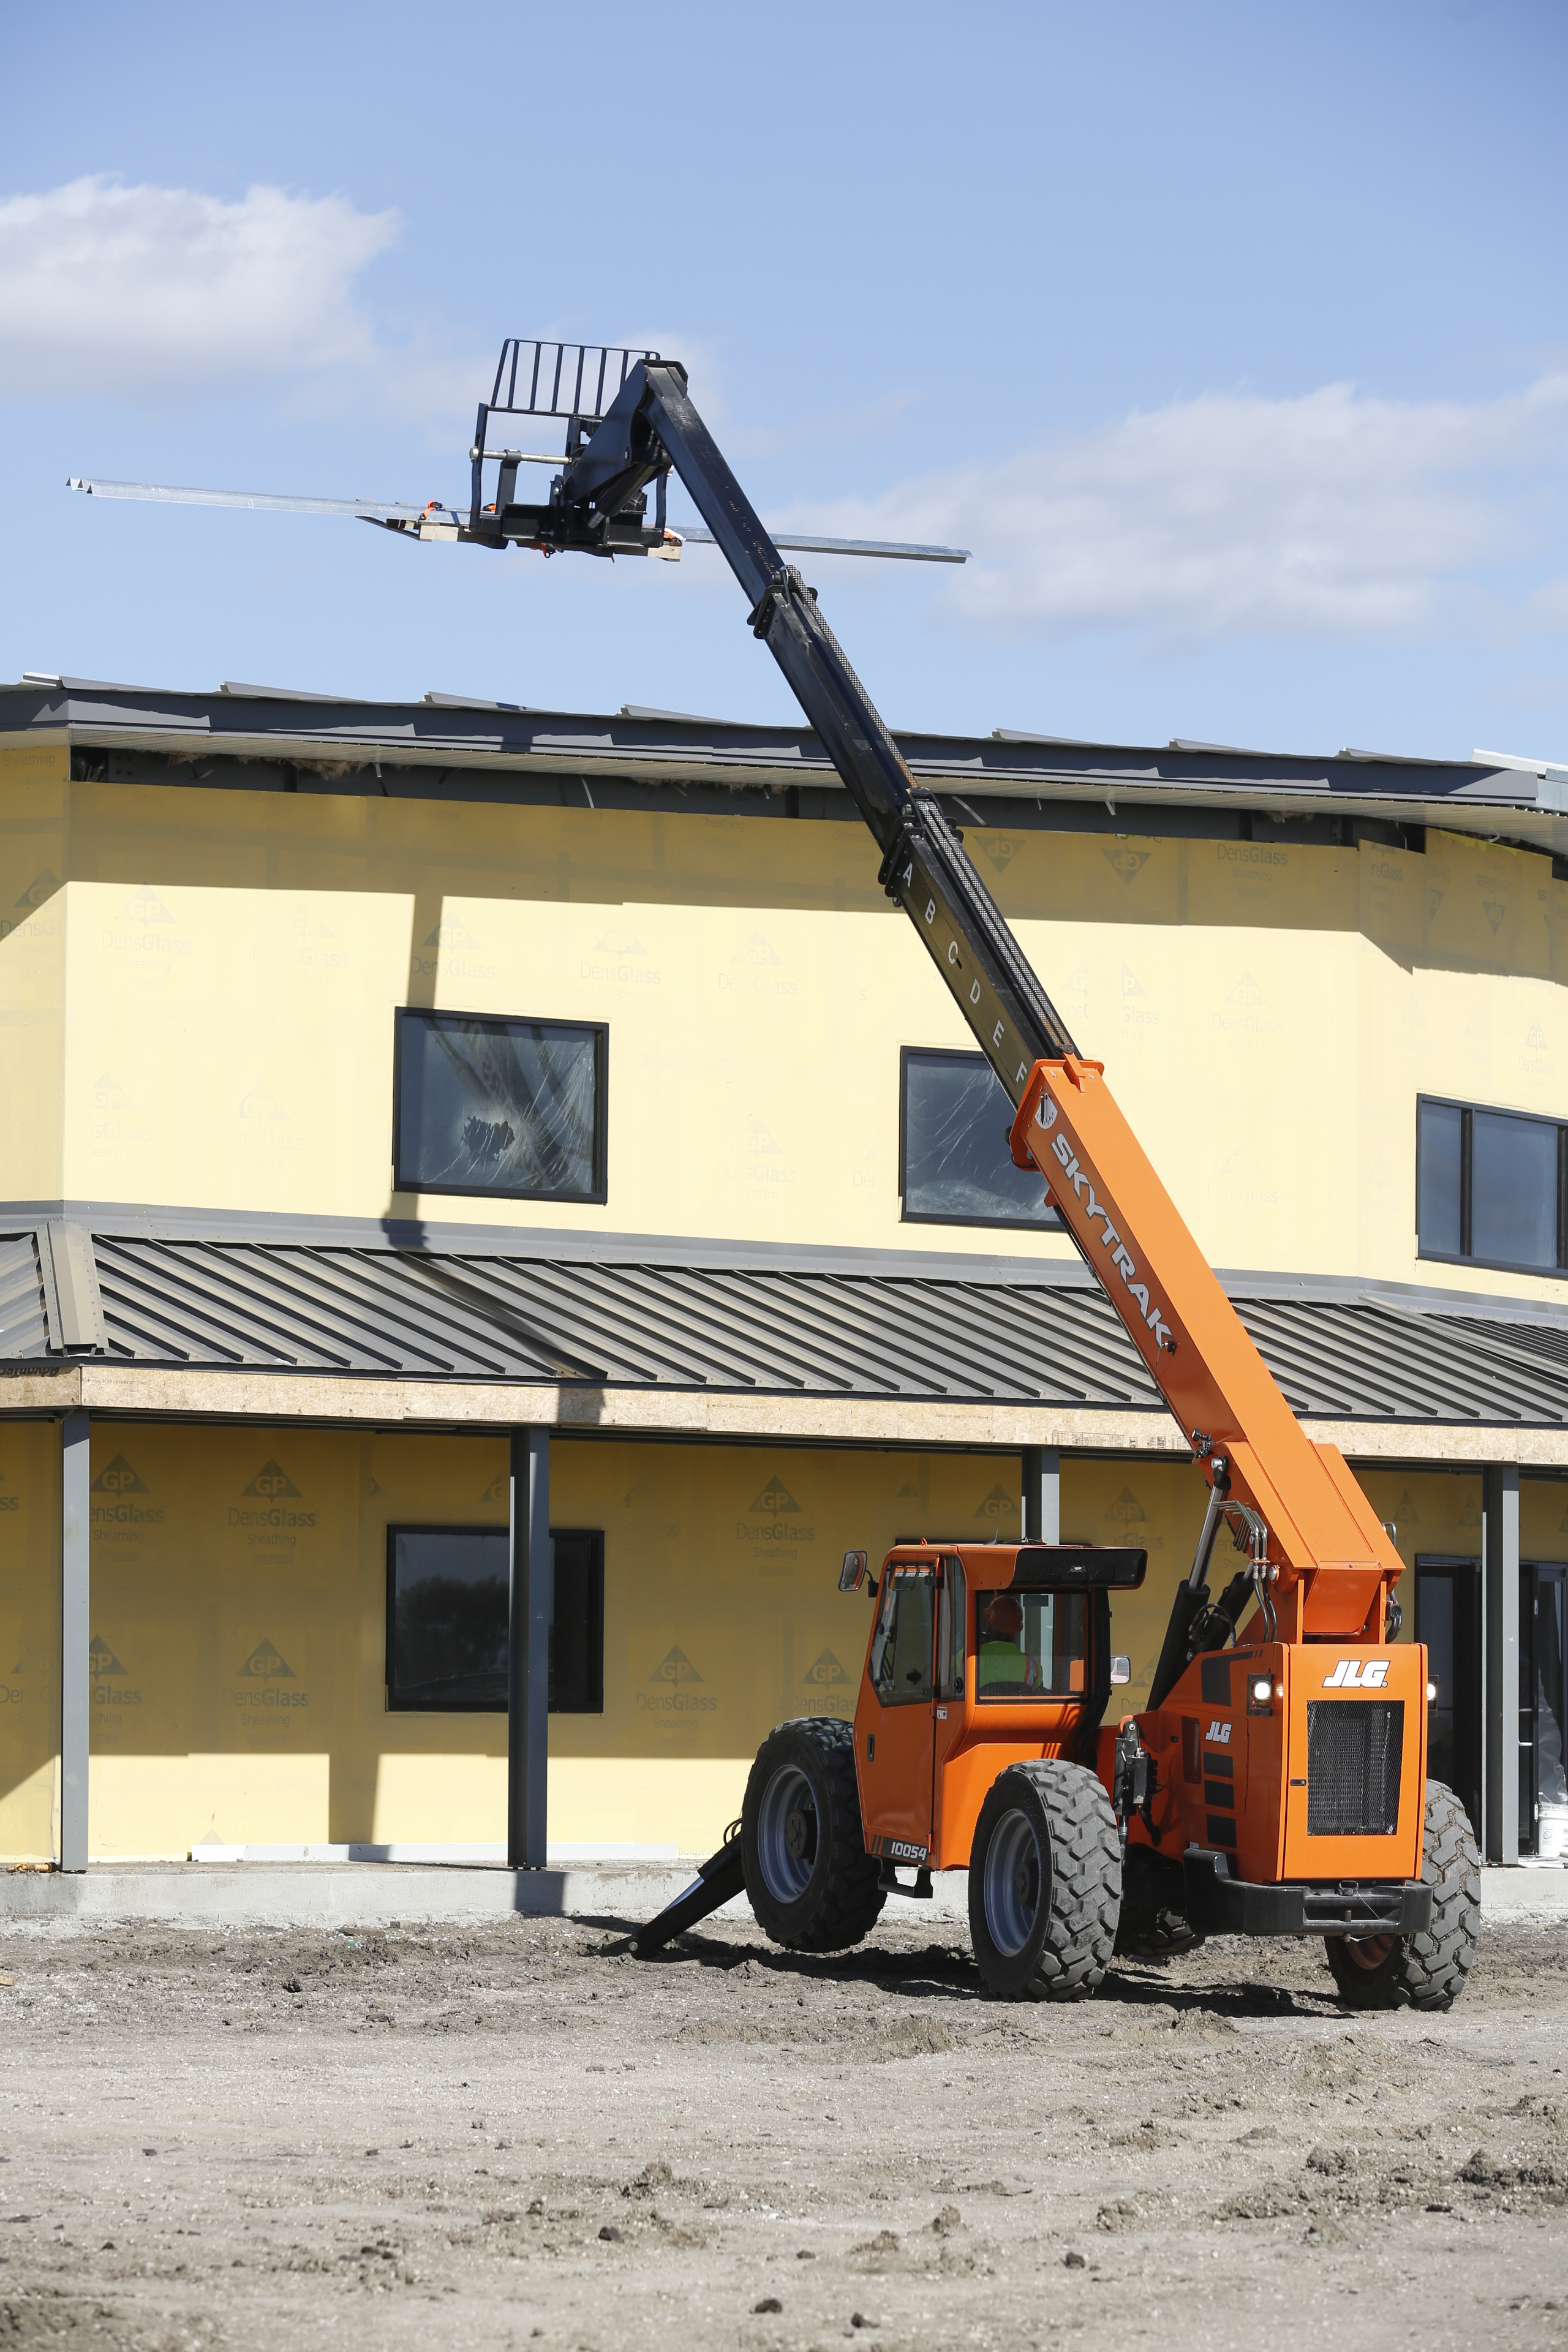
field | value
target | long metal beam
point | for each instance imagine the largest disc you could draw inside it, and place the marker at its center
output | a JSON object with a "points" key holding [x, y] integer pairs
{"points": [[76, 1622], [438, 520], [532, 1598]]}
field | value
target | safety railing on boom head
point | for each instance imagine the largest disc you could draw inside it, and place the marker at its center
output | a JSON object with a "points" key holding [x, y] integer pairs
{"points": [[576, 381]]}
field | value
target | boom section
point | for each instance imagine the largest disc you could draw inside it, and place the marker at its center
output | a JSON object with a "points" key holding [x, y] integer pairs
{"points": [[652, 427]]}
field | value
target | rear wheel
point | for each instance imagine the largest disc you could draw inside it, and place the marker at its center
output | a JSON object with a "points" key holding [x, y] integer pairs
{"points": [[1045, 1882], [811, 1884], [1428, 1970]]}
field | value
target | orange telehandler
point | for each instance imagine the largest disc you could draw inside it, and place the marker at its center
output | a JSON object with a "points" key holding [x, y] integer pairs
{"points": [[1275, 1782]]}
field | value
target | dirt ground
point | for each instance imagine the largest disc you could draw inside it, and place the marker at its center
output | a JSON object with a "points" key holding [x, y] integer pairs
{"points": [[518, 2134]]}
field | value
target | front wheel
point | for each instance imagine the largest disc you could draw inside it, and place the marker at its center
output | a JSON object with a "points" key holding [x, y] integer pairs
{"points": [[1429, 1970], [811, 1884], [1045, 1882]]}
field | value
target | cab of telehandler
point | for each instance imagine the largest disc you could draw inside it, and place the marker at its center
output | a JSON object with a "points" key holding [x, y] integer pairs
{"points": [[977, 1657]]}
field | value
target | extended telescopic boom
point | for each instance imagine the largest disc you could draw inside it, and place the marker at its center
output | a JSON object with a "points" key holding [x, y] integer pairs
{"points": [[1321, 1555]]}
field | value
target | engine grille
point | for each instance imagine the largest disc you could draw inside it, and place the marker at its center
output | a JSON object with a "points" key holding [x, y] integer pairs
{"points": [[1355, 1750]]}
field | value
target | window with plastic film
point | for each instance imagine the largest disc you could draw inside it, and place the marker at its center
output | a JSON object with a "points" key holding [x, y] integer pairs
{"points": [[1491, 1186], [949, 1632], [955, 1166], [511, 1108]]}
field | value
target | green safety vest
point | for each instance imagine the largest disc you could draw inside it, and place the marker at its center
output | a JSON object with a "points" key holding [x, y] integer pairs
{"points": [[1004, 1662]]}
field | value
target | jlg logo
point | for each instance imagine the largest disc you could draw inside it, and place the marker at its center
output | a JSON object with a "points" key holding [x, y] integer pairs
{"points": [[1218, 1733], [1348, 1676]]}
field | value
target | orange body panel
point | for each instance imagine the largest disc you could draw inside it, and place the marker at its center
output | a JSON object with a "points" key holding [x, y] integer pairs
{"points": [[1264, 1830], [893, 1764], [1322, 1531]]}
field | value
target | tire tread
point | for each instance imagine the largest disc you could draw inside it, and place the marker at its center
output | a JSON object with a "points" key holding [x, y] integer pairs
{"points": [[851, 1902], [1428, 1971], [1085, 1880]]}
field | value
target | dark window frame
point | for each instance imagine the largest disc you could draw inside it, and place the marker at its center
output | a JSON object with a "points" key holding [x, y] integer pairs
{"points": [[1051, 1223], [600, 1033], [396, 1705], [1465, 1256]]}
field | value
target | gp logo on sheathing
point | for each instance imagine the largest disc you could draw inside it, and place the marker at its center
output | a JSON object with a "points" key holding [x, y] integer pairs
{"points": [[118, 1478], [775, 1498], [118, 1482], [1349, 1675], [262, 1677], [102, 1660], [1218, 1733], [266, 1502], [108, 1676], [267, 1663], [675, 1666], [676, 1674], [271, 1479]]}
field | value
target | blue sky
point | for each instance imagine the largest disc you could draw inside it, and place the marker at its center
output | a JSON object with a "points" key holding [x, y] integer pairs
{"points": [[1231, 339]]}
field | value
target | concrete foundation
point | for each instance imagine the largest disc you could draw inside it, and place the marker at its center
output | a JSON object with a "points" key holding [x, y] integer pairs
{"points": [[386, 1894]]}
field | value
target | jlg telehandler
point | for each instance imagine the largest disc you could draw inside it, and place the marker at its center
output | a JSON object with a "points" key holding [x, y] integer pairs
{"points": [[1275, 1782]]}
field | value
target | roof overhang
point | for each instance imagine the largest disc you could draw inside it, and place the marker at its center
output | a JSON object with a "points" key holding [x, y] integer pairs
{"points": [[336, 738]]}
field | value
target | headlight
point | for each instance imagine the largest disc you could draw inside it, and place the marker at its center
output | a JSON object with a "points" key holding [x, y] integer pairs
{"points": [[1431, 1692], [1259, 1694]]}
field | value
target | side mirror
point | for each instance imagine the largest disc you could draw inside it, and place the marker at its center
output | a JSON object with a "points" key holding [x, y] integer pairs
{"points": [[1121, 1670], [852, 1575]]}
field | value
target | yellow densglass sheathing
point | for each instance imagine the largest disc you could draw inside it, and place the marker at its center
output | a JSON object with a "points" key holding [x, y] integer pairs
{"points": [[33, 902], [235, 960], [29, 1639], [239, 1620], [239, 1628], [1439, 1515]]}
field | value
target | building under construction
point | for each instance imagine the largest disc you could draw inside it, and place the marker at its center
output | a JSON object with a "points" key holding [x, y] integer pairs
{"points": [[402, 1092]]}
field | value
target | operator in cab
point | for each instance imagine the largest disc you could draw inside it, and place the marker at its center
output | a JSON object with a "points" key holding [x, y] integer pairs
{"points": [[1000, 1656]]}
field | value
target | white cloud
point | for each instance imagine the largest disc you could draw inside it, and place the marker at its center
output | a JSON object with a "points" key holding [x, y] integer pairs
{"points": [[1330, 514], [149, 292]]}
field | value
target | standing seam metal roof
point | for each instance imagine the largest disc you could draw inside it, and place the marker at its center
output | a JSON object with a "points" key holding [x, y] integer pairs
{"points": [[445, 1315]]}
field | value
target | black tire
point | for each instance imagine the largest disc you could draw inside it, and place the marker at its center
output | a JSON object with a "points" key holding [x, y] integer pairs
{"points": [[1045, 1882], [811, 1884], [1429, 1970]]}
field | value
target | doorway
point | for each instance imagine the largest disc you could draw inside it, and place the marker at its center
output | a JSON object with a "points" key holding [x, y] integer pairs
{"points": [[1449, 1620]]}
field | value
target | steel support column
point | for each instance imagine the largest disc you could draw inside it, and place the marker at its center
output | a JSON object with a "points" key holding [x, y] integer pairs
{"points": [[1042, 1494], [532, 1606], [1499, 1512], [76, 1685]]}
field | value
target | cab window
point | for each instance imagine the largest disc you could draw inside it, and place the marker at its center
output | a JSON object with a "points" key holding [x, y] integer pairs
{"points": [[1030, 1644], [900, 1659], [949, 1632]]}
